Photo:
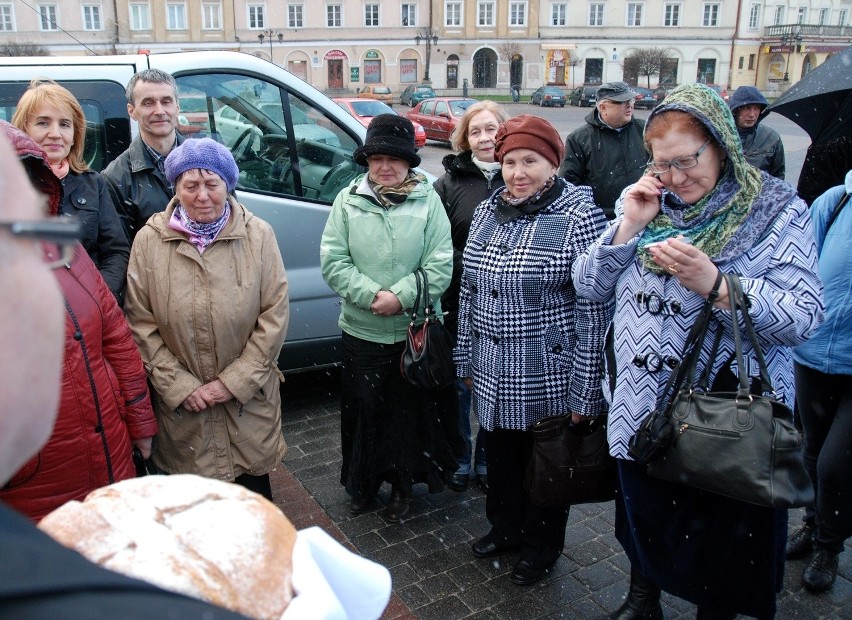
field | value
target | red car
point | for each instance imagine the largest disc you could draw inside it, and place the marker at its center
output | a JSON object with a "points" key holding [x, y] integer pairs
{"points": [[365, 109], [439, 116]]}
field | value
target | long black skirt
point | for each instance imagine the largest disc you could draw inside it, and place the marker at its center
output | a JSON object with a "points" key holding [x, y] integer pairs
{"points": [[702, 547], [390, 430]]}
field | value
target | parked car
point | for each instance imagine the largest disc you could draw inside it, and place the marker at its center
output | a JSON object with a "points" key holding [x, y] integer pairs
{"points": [[662, 91], [415, 93], [193, 113], [290, 168], [548, 96], [440, 116], [584, 96], [376, 91], [365, 109], [720, 90], [645, 98]]}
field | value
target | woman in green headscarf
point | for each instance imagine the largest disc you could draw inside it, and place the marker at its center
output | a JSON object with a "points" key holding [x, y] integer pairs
{"points": [[699, 209]]}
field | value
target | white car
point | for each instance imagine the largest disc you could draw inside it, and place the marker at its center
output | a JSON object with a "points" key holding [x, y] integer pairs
{"points": [[268, 118]]}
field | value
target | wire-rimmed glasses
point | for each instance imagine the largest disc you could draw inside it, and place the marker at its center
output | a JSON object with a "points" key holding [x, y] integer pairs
{"points": [[681, 163], [64, 232]]}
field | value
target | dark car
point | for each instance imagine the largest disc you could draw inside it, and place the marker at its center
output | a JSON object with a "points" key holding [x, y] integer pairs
{"points": [[415, 93], [663, 91], [548, 95], [645, 98], [584, 96]]}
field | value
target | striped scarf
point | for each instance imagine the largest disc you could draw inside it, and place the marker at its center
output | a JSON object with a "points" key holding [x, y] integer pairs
{"points": [[396, 195]]}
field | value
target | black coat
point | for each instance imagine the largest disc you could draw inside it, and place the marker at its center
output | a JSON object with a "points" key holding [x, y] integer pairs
{"points": [[605, 159], [461, 188], [138, 188], [86, 196]]}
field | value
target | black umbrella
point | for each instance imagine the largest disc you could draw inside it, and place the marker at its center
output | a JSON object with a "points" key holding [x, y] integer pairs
{"points": [[821, 102]]}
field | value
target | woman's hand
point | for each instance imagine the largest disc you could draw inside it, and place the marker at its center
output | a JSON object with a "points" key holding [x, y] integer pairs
{"points": [[207, 395], [641, 204], [145, 446], [692, 268], [386, 304]]}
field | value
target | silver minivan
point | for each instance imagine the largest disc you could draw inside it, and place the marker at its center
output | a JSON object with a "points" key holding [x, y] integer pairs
{"points": [[294, 150]]}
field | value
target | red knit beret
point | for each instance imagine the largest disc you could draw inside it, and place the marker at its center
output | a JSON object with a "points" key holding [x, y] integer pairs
{"points": [[530, 132]]}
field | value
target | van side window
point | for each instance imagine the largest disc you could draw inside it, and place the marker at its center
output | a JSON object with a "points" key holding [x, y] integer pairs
{"points": [[282, 143], [104, 107]]}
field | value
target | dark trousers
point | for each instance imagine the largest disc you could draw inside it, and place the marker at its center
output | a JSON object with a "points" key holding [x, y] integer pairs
{"points": [[258, 484], [825, 405], [514, 519]]}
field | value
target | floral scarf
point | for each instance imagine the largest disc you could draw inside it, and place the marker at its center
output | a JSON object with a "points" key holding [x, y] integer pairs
{"points": [[728, 221], [396, 195], [199, 234]]}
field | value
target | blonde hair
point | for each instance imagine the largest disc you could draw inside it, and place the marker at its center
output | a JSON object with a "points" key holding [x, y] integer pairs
{"points": [[459, 138], [44, 91]]}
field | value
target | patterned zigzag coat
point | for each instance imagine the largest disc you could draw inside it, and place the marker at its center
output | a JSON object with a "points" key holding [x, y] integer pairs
{"points": [[531, 345]]}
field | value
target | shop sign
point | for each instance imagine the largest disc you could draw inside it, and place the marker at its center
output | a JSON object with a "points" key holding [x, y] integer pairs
{"points": [[354, 74]]}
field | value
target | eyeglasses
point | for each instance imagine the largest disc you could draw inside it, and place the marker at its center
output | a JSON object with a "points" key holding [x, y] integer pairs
{"points": [[64, 232], [657, 305], [681, 163]]}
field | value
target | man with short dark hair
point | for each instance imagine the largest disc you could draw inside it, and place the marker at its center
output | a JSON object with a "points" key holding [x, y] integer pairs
{"points": [[762, 145], [136, 179], [608, 152]]}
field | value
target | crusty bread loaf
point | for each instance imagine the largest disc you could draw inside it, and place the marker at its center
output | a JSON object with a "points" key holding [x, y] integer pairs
{"points": [[204, 538]]}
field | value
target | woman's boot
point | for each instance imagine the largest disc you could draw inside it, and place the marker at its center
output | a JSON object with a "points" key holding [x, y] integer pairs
{"points": [[642, 602], [398, 505]]}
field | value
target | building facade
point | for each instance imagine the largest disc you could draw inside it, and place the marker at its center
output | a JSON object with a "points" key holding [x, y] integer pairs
{"points": [[486, 45]]}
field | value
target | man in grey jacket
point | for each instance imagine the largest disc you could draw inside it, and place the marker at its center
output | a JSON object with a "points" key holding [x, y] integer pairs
{"points": [[762, 145], [608, 152]]}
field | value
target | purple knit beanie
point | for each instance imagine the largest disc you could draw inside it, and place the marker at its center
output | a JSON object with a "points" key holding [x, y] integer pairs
{"points": [[206, 154]]}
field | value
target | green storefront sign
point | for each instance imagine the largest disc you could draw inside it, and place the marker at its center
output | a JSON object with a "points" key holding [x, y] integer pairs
{"points": [[354, 74]]}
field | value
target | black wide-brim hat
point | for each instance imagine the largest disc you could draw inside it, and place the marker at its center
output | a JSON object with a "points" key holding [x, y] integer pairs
{"points": [[389, 134]]}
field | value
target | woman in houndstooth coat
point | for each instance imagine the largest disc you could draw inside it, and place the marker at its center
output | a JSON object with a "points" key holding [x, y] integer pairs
{"points": [[527, 344]]}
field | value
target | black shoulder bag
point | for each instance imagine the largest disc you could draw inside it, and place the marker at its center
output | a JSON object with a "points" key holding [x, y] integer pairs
{"points": [[427, 361], [737, 444]]}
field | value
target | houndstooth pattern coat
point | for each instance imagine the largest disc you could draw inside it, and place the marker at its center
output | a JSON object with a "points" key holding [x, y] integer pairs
{"points": [[532, 348]]}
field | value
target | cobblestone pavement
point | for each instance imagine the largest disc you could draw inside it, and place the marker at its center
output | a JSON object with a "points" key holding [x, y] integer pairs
{"points": [[435, 575]]}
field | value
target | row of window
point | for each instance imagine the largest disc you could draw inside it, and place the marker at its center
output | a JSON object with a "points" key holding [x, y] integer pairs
{"points": [[211, 15]]}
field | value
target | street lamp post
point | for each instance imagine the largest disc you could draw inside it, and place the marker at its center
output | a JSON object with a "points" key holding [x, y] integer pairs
{"points": [[270, 34], [789, 39], [430, 37]]}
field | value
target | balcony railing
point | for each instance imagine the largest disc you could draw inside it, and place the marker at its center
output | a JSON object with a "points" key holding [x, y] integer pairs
{"points": [[806, 30]]}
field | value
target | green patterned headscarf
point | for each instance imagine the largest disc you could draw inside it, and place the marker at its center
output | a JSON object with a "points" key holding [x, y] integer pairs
{"points": [[726, 222]]}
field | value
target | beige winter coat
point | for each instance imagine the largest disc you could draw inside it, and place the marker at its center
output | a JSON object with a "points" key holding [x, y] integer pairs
{"points": [[197, 317]]}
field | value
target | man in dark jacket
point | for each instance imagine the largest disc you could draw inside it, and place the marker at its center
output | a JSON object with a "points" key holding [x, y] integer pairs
{"points": [[39, 578], [137, 182], [762, 145], [608, 152]]}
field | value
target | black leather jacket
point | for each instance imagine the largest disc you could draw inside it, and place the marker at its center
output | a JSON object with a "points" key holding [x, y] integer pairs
{"points": [[86, 196], [138, 188]]}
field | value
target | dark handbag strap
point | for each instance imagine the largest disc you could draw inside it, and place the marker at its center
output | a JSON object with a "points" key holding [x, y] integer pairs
{"points": [[743, 304], [416, 305], [422, 281], [691, 349], [842, 203]]}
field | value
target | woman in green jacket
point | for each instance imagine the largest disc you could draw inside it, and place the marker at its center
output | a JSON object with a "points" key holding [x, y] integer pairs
{"points": [[381, 228]]}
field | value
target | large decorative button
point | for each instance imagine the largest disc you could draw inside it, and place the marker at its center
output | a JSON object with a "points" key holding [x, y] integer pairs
{"points": [[81, 201]]}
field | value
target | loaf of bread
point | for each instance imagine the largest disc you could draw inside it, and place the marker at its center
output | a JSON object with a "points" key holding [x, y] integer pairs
{"points": [[205, 538]]}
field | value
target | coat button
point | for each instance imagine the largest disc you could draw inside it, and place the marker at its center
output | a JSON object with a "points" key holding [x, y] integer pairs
{"points": [[476, 333], [496, 339], [81, 201], [557, 349], [494, 293], [78, 335], [473, 288], [504, 248]]}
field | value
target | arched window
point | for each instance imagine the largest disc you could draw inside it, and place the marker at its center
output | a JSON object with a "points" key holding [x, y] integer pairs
{"points": [[485, 68]]}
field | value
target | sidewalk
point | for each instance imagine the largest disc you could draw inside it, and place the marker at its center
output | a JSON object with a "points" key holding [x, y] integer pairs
{"points": [[435, 575]]}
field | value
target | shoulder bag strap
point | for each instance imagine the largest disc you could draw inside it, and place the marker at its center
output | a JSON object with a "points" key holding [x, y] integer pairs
{"points": [[416, 306], [428, 309], [742, 301], [843, 200], [738, 307], [685, 369]]}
